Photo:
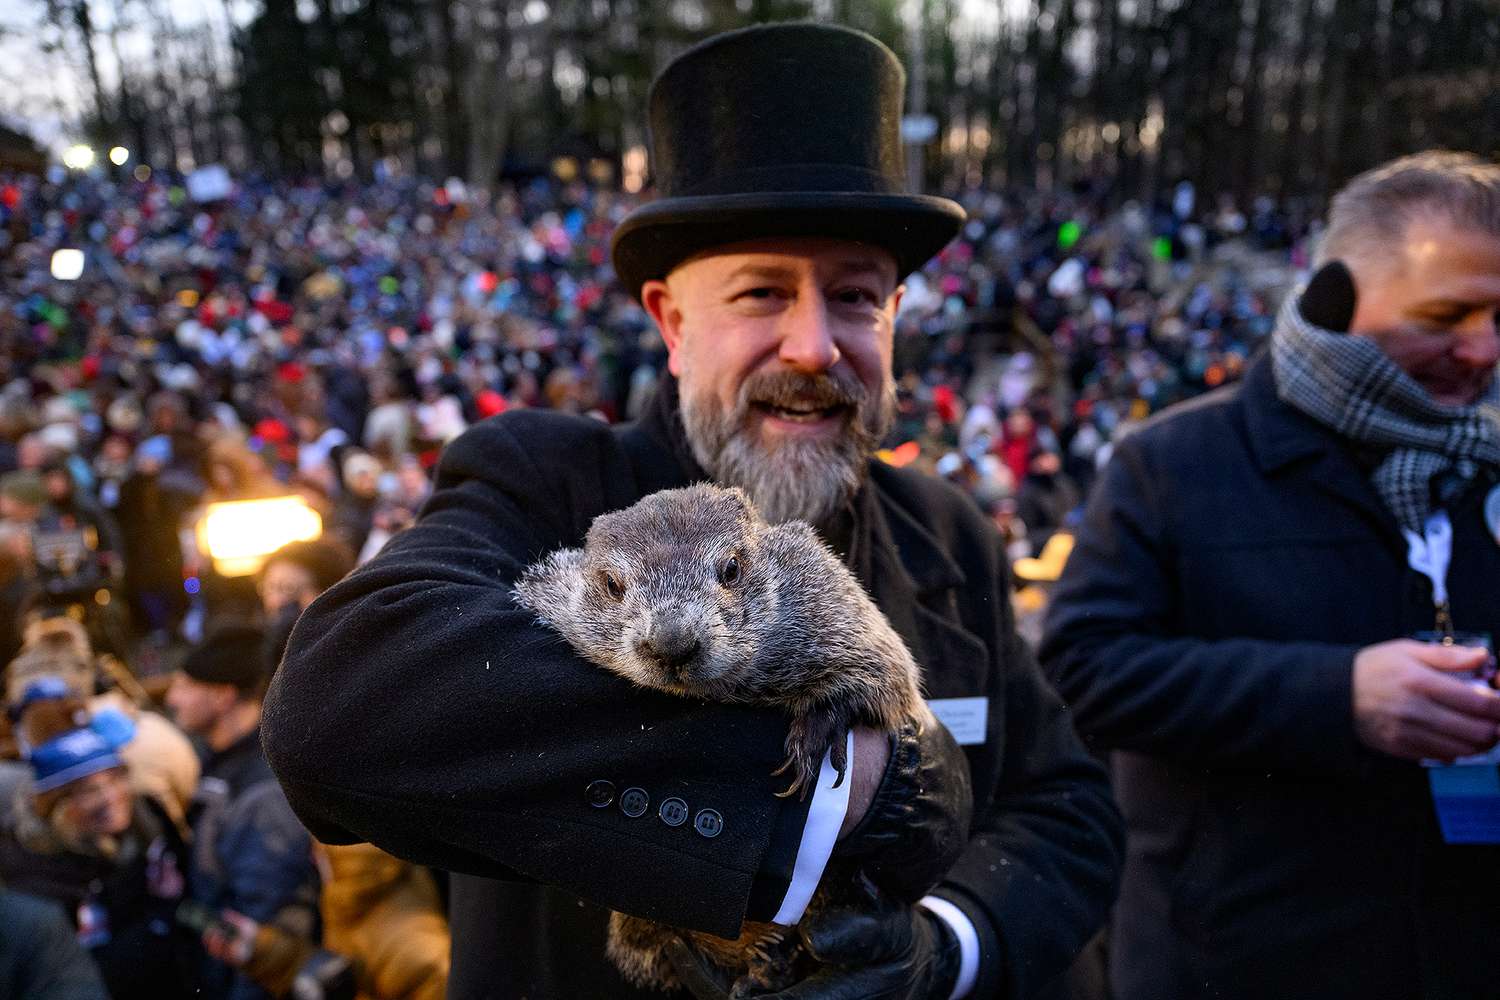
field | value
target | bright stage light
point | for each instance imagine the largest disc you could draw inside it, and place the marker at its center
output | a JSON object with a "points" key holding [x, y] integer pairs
{"points": [[239, 534], [118, 155]]}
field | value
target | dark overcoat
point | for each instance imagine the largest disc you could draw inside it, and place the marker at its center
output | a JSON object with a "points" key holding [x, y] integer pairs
{"points": [[419, 708], [1232, 560]]}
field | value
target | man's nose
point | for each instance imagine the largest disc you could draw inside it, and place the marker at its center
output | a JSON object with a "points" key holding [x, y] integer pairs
{"points": [[1479, 344], [807, 343]]}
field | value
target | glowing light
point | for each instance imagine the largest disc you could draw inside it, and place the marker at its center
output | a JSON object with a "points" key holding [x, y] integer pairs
{"points": [[239, 534], [67, 264], [191, 585], [118, 155], [79, 157]]}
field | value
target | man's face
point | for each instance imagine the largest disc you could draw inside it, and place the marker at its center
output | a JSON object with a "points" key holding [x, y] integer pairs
{"points": [[285, 583], [196, 706], [98, 805], [1434, 311], [59, 485], [783, 351]]}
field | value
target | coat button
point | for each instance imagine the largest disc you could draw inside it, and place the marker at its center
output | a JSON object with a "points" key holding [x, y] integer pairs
{"points": [[600, 793], [633, 802], [673, 812], [709, 823]]}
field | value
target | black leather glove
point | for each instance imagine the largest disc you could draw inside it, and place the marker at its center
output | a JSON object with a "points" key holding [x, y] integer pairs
{"points": [[918, 824], [891, 952]]}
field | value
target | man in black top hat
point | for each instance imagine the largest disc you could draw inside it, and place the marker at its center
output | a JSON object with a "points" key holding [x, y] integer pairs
{"points": [[418, 707]]}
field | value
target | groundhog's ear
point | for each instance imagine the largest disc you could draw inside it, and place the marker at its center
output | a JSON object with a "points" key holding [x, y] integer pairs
{"points": [[746, 504], [552, 584]]}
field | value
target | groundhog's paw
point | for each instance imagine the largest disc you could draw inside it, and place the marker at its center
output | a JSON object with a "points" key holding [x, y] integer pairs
{"points": [[812, 734], [772, 967]]}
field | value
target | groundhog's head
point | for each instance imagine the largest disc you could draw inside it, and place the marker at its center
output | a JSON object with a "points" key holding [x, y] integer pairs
{"points": [[669, 593]]}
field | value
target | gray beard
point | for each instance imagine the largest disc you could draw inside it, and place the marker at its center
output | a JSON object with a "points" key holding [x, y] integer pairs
{"points": [[792, 480]]}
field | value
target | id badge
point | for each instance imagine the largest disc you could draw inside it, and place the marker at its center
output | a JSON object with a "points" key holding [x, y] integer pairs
{"points": [[1466, 793]]}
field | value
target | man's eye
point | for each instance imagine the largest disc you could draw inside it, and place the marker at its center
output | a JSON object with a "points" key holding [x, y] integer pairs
{"points": [[857, 297], [757, 293]]}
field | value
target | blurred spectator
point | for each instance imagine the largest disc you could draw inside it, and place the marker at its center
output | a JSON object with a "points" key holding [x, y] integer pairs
{"points": [[68, 508], [82, 836], [1047, 498], [153, 505], [398, 506], [354, 514], [382, 912], [40, 958], [251, 857], [22, 497], [160, 761], [298, 572]]}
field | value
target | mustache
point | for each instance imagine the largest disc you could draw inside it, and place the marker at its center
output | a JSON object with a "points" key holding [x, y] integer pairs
{"points": [[822, 391]]}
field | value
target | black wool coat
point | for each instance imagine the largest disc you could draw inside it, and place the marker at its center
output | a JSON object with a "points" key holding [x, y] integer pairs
{"points": [[419, 708], [1232, 560]]}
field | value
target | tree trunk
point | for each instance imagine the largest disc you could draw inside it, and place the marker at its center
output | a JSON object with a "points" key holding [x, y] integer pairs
{"points": [[455, 124], [83, 21], [488, 91]]}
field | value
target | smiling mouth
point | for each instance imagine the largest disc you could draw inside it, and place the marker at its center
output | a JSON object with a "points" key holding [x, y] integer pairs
{"points": [[798, 413]]}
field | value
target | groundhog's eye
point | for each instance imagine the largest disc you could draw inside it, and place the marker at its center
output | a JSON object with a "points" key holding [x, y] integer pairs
{"points": [[613, 585], [729, 571]]}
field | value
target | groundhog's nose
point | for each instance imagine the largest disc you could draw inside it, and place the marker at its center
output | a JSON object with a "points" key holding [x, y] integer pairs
{"points": [[671, 645]]}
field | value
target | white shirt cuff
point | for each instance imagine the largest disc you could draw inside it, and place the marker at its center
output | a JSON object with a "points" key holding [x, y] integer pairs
{"points": [[825, 817], [968, 942]]}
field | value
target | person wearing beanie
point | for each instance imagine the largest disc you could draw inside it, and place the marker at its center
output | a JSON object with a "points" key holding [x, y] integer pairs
{"points": [[420, 707], [79, 834], [252, 859], [161, 760]]}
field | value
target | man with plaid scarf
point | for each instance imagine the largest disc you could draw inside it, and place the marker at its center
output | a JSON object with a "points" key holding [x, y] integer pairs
{"points": [[1277, 610]]}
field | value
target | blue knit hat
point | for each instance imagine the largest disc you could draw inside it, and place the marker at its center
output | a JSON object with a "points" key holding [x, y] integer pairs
{"points": [[79, 752]]}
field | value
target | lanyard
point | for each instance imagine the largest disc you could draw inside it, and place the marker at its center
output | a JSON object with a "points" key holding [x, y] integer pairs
{"points": [[1429, 554]]}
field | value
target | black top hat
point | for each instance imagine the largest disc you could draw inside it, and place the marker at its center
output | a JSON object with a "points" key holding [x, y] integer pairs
{"points": [[779, 130]]}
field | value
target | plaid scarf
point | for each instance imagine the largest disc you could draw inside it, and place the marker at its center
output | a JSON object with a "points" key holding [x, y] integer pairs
{"points": [[1348, 384]]}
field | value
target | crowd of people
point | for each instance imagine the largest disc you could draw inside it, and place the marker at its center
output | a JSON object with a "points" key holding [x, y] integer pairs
{"points": [[328, 341]]}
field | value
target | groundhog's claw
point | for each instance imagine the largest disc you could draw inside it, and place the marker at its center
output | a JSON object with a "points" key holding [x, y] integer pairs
{"points": [[811, 736], [838, 756]]}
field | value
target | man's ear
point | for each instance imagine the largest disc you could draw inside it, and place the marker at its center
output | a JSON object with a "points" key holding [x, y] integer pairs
{"points": [[659, 302], [895, 299]]}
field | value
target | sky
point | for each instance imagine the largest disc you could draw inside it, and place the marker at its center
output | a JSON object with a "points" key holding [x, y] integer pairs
{"points": [[40, 93]]}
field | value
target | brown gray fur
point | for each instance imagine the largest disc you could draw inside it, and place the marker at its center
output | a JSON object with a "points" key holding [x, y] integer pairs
{"points": [[690, 592]]}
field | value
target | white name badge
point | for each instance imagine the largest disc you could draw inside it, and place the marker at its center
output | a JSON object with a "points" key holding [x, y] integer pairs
{"points": [[965, 718]]}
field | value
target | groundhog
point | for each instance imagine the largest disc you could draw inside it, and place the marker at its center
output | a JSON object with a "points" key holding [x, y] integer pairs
{"points": [[692, 593]]}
